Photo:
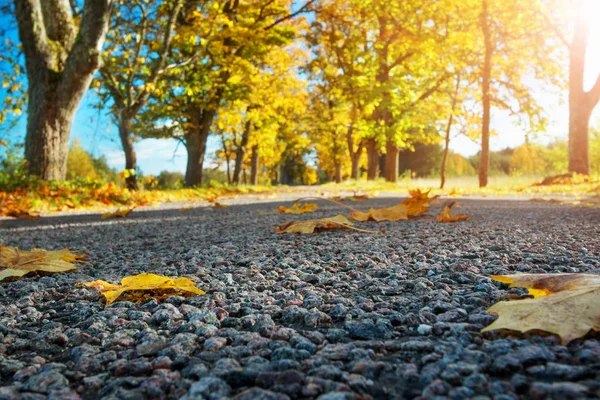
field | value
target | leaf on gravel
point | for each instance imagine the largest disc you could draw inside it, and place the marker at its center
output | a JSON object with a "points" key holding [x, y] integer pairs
{"points": [[17, 263], [22, 215], [120, 212], [161, 286], [567, 305], [416, 204], [395, 213], [219, 205], [447, 216], [297, 208], [318, 225]]}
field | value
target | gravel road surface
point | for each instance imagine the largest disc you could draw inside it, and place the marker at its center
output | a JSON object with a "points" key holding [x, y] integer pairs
{"points": [[331, 316]]}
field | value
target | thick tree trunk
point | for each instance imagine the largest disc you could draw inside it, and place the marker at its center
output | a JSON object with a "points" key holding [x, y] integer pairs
{"points": [[61, 56], [581, 103], [254, 165], [48, 130], [391, 162], [486, 79], [240, 152], [128, 149], [372, 159], [338, 173], [195, 143], [381, 165]]}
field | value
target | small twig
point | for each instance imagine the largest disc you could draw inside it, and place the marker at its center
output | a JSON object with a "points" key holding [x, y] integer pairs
{"points": [[324, 198]]}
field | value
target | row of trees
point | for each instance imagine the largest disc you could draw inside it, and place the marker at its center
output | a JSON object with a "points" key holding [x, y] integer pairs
{"points": [[358, 81]]}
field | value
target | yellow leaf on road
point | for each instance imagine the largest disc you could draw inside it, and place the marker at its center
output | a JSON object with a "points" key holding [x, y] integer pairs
{"points": [[120, 212], [567, 305], [16, 263], [318, 225], [143, 282], [447, 216], [396, 213], [297, 208]]}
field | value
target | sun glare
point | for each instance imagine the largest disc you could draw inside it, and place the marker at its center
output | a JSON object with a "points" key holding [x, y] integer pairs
{"points": [[592, 12]]}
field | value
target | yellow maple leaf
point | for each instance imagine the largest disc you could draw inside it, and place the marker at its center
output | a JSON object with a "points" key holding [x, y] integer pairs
{"points": [[143, 281], [567, 305], [17, 263], [120, 212], [318, 225], [416, 204], [297, 208], [447, 216]]}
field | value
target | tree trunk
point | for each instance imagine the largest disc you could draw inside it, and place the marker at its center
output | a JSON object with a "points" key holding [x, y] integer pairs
{"points": [[372, 159], [381, 166], [48, 130], [354, 155], [61, 56], [486, 79], [391, 162], [130, 156], [581, 103], [240, 152], [195, 143], [448, 130], [254, 166], [338, 173]]}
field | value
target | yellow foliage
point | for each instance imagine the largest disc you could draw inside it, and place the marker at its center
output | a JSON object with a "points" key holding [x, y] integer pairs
{"points": [[15, 263]]}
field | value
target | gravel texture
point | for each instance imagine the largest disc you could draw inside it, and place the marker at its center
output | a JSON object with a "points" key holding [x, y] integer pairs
{"points": [[332, 316]]}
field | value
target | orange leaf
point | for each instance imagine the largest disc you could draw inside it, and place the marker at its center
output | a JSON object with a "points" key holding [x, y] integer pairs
{"points": [[447, 216], [318, 225]]}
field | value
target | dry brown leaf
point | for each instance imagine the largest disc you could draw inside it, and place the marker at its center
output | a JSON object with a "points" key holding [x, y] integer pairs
{"points": [[159, 284], [120, 212], [23, 215], [567, 305], [418, 203], [216, 204], [447, 216], [297, 208], [318, 225], [17, 263]]}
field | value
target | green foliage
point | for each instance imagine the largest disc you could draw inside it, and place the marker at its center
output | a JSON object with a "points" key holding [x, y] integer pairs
{"points": [[80, 163], [170, 180]]}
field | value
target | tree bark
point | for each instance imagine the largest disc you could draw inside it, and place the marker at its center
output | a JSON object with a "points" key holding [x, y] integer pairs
{"points": [[391, 162], [195, 143], [240, 152], [338, 173], [354, 155], [372, 159], [486, 79], [581, 103], [60, 61], [254, 165], [448, 130], [128, 149]]}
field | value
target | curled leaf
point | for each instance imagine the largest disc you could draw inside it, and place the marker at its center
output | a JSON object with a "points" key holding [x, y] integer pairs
{"points": [[17, 263], [297, 208], [318, 225], [447, 216], [143, 282], [567, 305], [120, 212], [396, 213]]}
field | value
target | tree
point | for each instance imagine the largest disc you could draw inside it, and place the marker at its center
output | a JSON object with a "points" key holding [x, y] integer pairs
{"points": [[80, 163], [135, 59], [226, 40], [62, 49]]}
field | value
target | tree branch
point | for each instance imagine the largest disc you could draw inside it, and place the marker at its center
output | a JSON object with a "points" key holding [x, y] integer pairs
{"points": [[32, 33], [301, 10]]}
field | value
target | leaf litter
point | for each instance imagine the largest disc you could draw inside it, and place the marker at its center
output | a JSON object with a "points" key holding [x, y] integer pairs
{"points": [[16, 263]]}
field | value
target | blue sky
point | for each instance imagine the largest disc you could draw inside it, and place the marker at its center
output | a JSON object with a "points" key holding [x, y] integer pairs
{"points": [[99, 136]]}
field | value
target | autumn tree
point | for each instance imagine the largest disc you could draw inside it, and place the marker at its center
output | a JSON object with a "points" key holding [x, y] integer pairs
{"points": [[62, 47], [515, 50], [134, 60], [225, 40]]}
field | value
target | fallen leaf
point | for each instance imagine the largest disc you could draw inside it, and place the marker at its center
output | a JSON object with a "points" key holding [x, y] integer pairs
{"points": [[219, 205], [360, 197], [447, 216], [318, 225], [22, 215], [17, 263], [143, 282], [567, 305], [120, 212], [396, 213], [416, 204], [297, 208]]}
